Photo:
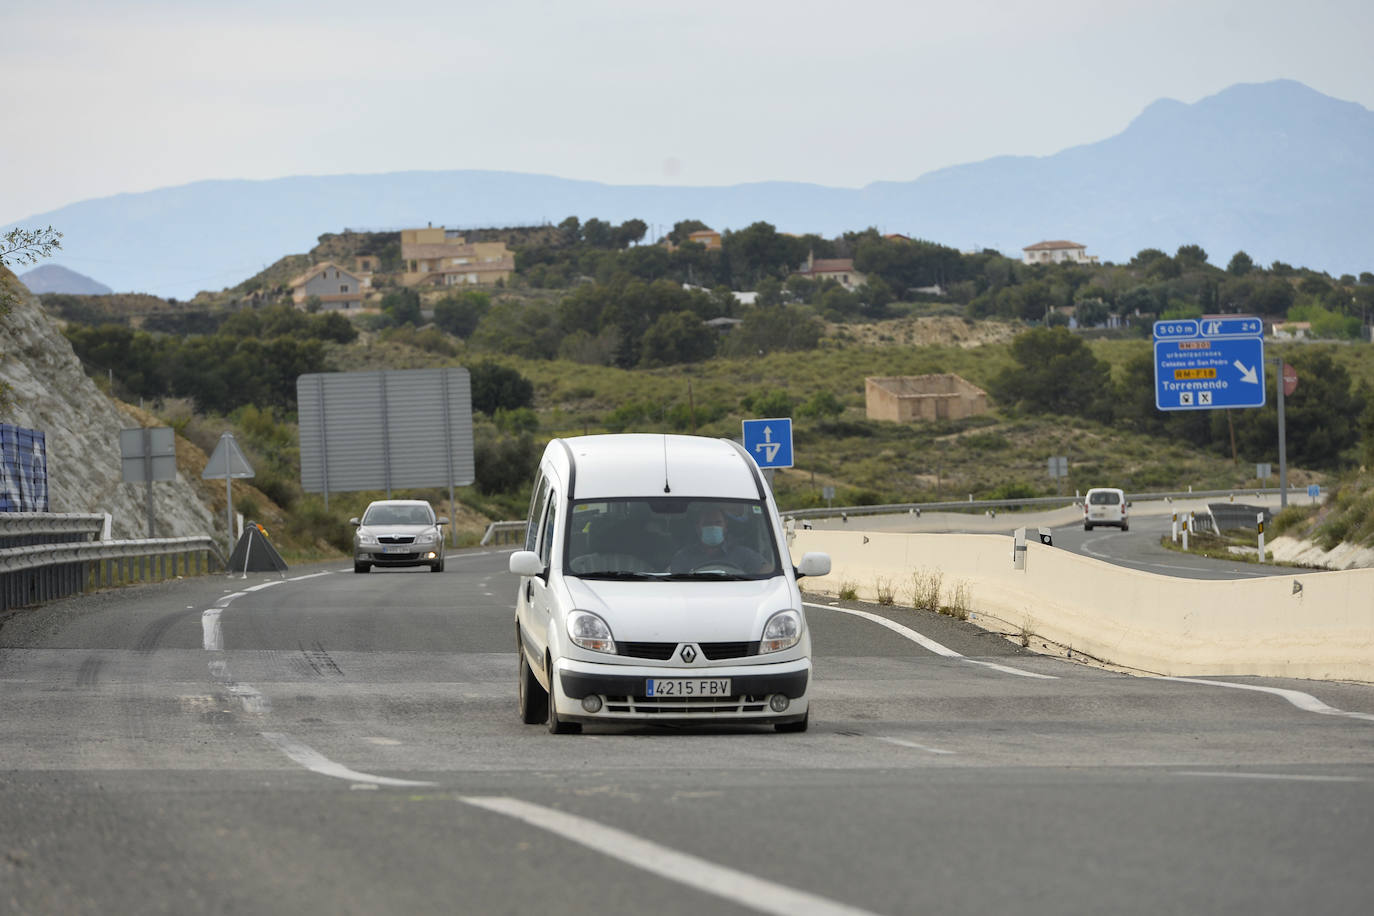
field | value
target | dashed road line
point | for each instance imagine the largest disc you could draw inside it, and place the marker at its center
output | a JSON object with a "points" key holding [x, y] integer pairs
{"points": [[316, 762], [735, 886], [1287, 777]]}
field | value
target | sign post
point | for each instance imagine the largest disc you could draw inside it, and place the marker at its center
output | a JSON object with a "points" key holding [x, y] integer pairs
{"points": [[227, 462], [148, 454]]}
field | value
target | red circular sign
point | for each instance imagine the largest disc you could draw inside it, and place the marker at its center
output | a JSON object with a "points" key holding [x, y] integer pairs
{"points": [[1290, 379]]}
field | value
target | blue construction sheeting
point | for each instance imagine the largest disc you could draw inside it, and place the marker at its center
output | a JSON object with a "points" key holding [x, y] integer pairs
{"points": [[23, 469]]}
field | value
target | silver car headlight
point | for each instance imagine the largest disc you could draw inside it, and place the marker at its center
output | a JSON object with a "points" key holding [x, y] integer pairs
{"points": [[589, 631], [782, 631], [425, 538], [367, 540]]}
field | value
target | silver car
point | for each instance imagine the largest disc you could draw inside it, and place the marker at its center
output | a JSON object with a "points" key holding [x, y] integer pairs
{"points": [[398, 532]]}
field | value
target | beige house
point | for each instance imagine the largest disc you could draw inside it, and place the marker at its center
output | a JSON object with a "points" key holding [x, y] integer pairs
{"points": [[841, 270], [709, 238], [337, 289], [903, 399], [442, 257], [1057, 253]]}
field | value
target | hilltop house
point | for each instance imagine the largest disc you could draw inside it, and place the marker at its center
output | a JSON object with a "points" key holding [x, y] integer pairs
{"points": [[336, 288], [841, 270], [905, 398], [1057, 253], [443, 257]]}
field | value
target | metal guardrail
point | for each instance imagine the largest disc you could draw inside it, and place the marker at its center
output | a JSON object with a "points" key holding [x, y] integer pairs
{"points": [[504, 533], [55, 557], [19, 529], [982, 505]]}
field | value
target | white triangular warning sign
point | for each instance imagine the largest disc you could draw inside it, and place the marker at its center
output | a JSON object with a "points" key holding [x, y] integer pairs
{"points": [[227, 461]]}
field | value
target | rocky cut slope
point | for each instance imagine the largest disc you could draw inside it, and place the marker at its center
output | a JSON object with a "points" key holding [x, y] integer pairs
{"points": [[51, 393]]}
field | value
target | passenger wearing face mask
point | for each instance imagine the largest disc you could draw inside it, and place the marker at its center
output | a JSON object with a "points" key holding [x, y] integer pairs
{"points": [[712, 548]]}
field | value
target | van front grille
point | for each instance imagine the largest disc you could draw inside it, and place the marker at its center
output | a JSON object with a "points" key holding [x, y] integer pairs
{"points": [[658, 651]]}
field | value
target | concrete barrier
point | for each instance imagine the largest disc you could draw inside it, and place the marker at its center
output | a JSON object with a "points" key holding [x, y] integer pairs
{"points": [[1307, 625]]}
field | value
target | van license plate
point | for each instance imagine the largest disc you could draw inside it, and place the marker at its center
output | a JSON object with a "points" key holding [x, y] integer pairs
{"points": [[688, 687]]}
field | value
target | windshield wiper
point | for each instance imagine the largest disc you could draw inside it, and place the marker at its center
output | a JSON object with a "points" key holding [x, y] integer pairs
{"points": [[713, 576], [617, 574]]}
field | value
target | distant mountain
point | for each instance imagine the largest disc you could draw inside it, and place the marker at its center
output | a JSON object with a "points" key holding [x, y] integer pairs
{"points": [[1275, 169], [54, 278]]}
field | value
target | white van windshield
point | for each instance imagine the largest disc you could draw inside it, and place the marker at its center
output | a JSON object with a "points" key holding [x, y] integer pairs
{"points": [[671, 538]]}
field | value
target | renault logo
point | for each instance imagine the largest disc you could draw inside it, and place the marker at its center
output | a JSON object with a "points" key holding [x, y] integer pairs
{"points": [[688, 654]]}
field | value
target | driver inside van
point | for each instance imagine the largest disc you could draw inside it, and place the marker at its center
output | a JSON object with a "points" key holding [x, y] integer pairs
{"points": [[712, 548]]}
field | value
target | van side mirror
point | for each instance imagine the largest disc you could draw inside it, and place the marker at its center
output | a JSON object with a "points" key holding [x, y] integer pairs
{"points": [[814, 564], [354, 522], [526, 563]]}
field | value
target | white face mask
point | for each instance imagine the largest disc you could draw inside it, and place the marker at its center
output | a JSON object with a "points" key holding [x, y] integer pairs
{"points": [[712, 535]]}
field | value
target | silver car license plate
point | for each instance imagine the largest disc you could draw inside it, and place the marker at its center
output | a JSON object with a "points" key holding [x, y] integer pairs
{"points": [[687, 687], [404, 548]]}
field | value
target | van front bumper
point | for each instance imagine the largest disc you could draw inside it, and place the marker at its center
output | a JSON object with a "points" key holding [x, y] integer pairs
{"points": [[622, 691]]}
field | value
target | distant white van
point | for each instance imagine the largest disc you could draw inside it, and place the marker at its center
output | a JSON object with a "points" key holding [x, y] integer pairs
{"points": [[655, 585], [1105, 506]]}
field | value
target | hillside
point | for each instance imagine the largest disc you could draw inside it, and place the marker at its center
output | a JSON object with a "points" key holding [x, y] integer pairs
{"points": [[54, 278], [1275, 169]]}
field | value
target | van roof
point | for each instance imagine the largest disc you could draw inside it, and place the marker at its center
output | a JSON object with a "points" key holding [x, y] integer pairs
{"points": [[642, 464]]}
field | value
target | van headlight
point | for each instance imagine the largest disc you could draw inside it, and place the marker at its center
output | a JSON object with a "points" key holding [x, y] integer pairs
{"points": [[589, 631], [782, 631]]}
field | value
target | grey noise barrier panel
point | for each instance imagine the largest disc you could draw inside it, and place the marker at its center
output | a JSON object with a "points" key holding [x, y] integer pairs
{"points": [[384, 430]]}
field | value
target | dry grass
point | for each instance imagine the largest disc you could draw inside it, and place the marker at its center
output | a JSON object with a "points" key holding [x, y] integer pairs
{"points": [[925, 589]]}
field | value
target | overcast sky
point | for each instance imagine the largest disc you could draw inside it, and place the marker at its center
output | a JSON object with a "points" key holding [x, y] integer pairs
{"points": [[109, 96]]}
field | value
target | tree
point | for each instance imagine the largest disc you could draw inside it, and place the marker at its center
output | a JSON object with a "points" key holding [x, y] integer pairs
{"points": [[1190, 256], [497, 386], [20, 247], [764, 330], [1055, 373], [402, 305], [630, 232], [677, 337], [769, 292], [1240, 264], [459, 315]]}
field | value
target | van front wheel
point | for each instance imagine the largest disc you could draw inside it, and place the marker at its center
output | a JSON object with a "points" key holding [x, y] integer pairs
{"points": [[534, 700]]}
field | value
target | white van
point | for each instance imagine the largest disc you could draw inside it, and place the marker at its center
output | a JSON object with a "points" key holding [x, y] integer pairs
{"points": [[655, 585], [1105, 506]]}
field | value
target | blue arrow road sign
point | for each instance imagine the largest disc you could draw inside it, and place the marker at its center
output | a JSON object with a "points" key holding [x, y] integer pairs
{"points": [[1208, 363], [769, 442]]}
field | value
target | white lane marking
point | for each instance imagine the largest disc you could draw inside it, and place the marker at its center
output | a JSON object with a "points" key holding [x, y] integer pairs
{"points": [[734, 886], [212, 637], [250, 699], [1304, 701], [316, 762], [1280, 776], [311, 576], [912, 744], [228, 599], [1007, 669], [927, 643]]}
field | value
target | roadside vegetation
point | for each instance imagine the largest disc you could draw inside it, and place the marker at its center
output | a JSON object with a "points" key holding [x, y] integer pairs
{"points": [[596, 332]]}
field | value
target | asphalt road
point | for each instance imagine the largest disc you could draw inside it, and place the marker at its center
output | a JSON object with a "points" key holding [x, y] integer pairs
{"points": [[1138, 547], [349, 744]]}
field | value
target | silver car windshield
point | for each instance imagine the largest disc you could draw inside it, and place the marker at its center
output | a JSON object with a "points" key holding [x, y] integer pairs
{"points": [[671, 538], [398, 515]]}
